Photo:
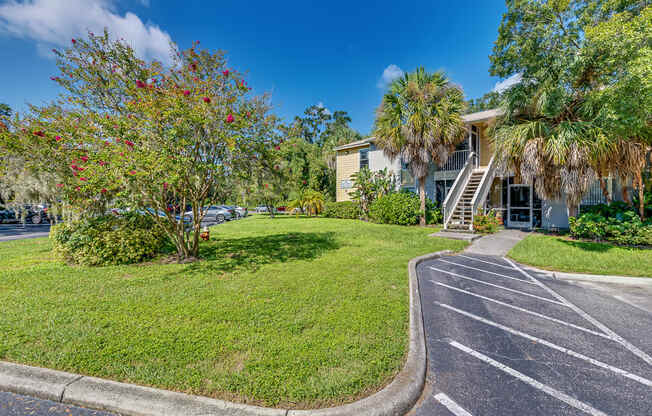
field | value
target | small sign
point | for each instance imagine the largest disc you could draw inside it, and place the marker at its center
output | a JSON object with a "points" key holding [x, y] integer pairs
{"points": [[346, 184]]}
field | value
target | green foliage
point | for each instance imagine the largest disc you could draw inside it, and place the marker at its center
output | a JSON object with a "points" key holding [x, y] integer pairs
{"points": [[582, 107], [420, 120], [5, 110], [489, 101], [433, 213], [343, 210], [108, 239], [485, 223], [369, 186], [616, 223], [401, 208]]}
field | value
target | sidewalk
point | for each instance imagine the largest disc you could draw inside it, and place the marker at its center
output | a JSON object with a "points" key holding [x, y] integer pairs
{"points": [[497, 244]]}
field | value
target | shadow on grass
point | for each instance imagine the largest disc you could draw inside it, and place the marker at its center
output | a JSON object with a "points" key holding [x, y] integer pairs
{"points": [[249, 253]]}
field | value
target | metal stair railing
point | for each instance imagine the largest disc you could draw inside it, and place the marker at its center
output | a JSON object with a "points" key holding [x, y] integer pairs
{"points": [[480, 195], [454, 194]]}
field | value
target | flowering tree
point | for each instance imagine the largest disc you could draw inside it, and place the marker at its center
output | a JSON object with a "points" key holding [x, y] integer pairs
{"points": [[143, 136]]}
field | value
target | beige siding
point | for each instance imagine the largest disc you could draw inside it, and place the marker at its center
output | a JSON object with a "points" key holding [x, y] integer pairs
{"points": [[486, 147], [348, 163]]}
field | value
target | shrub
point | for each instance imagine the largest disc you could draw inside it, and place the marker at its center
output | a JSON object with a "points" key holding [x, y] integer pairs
{"points": [[343, 209], [486, 223], [108, 239], [433, 213], [398, 208], [616, 224]]}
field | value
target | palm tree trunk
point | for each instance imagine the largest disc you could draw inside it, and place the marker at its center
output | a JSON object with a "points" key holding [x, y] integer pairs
{"points": [[605, 191], [422, 197], [572, 210], [641, 195], [626, 195]]}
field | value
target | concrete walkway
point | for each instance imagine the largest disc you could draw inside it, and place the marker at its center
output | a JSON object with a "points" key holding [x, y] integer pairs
{"points": [[497, 244]]}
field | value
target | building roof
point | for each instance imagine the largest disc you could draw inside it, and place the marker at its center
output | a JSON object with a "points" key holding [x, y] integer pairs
{"points": [[468, 118], [483, 115], [356, 144]]}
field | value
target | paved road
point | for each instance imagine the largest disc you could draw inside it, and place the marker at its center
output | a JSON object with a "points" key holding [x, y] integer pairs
{"points": [[501, 342], [17, 405], [19, 231]]}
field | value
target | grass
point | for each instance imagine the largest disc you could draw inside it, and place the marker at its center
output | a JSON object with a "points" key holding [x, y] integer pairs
{"points": [[566, 255], [297, 312]]}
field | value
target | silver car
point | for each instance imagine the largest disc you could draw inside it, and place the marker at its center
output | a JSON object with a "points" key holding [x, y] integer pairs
{"points": [[239, 212], [215, 213]]}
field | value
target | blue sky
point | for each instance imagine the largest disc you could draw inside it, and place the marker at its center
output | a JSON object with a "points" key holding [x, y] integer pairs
{"points": [[302, 52]]}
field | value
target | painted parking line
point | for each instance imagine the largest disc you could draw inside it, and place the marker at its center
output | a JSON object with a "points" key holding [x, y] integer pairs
{"points": [[528, 380], [500, 287], [485, 261], [537, 314], [549, 344], [455, 408], [632, 348], [488, 272]]}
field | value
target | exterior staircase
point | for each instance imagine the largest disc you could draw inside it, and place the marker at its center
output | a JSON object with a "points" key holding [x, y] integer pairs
{"points": [[462, 216]]}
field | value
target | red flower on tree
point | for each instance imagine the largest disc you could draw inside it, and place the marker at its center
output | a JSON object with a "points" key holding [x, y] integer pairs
{"points": [[59, 185], [225, 73], [83, 179], [186, 92], [84, 158], [132, 172], [58, 138], [103, 190], [73, 41], [206, 100], [128, 143], [39, 133], [140, 84], [229, 118]]}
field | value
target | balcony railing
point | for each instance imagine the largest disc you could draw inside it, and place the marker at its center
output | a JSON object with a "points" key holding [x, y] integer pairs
{"points": [[455, 161]]}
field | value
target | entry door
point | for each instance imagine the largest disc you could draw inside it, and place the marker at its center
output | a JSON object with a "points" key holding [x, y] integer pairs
{"points": [[520, 206]]}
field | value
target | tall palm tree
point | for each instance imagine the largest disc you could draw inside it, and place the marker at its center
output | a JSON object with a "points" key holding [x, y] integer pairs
{"points": [[544, 138], [420, 120]]}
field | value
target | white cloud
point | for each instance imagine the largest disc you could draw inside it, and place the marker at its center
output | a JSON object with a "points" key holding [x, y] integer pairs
{"points": [[144, 2], [389, 74], [507, 83], [56, 22], [326, 110]]}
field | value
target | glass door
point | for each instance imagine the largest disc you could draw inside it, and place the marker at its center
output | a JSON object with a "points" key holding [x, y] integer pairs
{"points": [[520, 206]]}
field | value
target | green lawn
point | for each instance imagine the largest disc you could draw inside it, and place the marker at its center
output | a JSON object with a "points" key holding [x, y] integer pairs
{"points": [[566, 255], [297, 312]]}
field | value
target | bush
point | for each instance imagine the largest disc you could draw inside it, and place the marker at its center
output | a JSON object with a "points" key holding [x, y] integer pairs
{"points": [[617, 224], [400, 208], [343, 209], [486, 224], [433, 213], [108, 239]]}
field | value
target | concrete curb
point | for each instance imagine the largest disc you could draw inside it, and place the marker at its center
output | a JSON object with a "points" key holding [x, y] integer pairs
{"points": [[590, 277], [128, 399]]}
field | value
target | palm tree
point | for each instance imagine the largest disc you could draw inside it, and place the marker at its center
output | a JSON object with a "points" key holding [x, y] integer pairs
{"points": [[550, 138], [313, 202], [420, 120]]}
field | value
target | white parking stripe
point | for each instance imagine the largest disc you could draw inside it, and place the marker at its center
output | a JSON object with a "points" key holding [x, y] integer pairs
{"points": [[500, 287], [600, 334], [632, 348], [485, 261], [570, 352], [528, 380], [455, 408], [486, 271]]}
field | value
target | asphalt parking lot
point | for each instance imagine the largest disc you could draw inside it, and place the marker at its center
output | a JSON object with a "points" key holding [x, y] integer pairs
{"points": [[502, 341], [20, 231]]}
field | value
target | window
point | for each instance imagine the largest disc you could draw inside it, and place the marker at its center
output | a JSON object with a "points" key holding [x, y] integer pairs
{"points": [[364, 158], [441, 190]]}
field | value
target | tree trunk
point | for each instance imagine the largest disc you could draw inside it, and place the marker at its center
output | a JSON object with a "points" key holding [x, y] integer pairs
{"points": [[422, 197], [605, 191], [641, 195], [626, 196], [572, 210]]}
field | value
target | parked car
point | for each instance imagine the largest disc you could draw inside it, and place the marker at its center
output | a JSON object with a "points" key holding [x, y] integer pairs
{"points": [[34, 214], [261, 208], [239, 212], [216, 213]]}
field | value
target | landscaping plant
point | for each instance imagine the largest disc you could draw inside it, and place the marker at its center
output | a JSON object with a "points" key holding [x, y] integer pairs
{"points": [[140, 135], [343, 210], [369, 186], [485, 223]]}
